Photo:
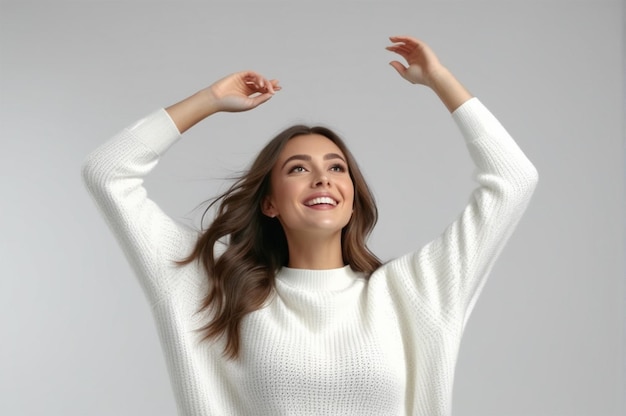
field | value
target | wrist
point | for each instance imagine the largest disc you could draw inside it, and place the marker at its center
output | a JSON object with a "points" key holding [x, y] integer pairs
{"points": [[438, 78], [207, 102], [192, 110], [449, 90]]}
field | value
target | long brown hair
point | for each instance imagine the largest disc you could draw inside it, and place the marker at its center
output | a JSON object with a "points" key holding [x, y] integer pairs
{"points": [[242, 277]]}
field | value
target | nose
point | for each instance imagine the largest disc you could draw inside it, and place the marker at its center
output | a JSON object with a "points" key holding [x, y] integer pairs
{"points": [[321, 180]]}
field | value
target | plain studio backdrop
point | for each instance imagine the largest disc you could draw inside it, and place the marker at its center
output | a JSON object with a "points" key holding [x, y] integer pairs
{"points": [[547, 335]]}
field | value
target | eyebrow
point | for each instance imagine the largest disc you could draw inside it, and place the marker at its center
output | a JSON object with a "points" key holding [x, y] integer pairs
{"points": [[307, 158]]}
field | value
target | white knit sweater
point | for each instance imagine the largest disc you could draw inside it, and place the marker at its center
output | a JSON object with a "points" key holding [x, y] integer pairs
{"points": [[329, 342]]}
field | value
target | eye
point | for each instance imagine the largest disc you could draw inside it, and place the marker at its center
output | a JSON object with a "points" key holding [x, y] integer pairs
{"points": [[338, 168], [297, 169]]}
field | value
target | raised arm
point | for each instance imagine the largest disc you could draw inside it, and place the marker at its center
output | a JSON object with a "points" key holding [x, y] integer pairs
{"points": [[240, 91], [424, 68], [448, 274], [114, 173]]}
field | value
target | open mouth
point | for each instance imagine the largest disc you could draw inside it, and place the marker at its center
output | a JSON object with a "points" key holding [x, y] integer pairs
{"points": [[322, 200]]}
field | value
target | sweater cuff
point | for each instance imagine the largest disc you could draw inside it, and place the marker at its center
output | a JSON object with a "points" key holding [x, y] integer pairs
{"points": [[156, 131], [476, 121]]}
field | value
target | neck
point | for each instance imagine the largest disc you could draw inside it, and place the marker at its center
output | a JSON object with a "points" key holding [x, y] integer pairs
{"points": [[315, 252]]}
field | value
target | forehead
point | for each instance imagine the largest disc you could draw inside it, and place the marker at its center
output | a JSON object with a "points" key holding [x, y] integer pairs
{"points": [[309, 144]]}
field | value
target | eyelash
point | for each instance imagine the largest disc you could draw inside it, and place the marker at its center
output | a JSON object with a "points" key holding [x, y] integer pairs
{"points": [[335, 168], [296, 169]]}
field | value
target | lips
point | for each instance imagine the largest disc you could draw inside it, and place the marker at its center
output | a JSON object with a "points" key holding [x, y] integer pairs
{"points": [[320, 200]]}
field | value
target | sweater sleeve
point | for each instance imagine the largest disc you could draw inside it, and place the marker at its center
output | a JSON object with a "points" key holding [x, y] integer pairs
{"points": [[448, 274], [113, 175]]}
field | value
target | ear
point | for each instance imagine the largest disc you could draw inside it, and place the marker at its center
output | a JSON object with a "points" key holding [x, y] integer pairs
{"points": [[268, 208]]}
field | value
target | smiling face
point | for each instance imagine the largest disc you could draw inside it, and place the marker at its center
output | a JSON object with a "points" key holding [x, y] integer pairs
{"points": [[311, 188]]}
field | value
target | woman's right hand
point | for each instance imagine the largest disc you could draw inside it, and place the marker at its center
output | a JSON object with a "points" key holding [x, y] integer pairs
{"points": [[236, 92], [241, 91]]}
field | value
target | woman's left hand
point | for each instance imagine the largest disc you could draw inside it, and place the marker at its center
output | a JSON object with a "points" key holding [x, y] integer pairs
{"points": [[422, 61], [424, 68]]}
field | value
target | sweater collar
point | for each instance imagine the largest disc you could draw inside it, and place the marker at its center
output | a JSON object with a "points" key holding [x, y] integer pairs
{"points": [[318, 280]]}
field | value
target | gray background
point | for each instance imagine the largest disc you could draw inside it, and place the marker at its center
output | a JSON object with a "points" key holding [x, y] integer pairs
{"points": [[546, 338]]}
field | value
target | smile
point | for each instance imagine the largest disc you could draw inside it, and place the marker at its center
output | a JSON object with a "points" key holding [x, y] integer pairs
{"points": [[321, 200]]}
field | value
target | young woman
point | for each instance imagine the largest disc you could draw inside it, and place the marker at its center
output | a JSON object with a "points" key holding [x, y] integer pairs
{"points": [[296, 316]]}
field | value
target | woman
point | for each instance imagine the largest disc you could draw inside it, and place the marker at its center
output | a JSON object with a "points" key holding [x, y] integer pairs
{"points": [[296, 316]]}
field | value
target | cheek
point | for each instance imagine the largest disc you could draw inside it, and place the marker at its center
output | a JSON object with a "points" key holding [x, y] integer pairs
{"points": [[284, 192], [289, 190], [348, 191]]}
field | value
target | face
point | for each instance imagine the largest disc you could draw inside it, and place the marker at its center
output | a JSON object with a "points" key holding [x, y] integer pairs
{"points": [[312, 191]]}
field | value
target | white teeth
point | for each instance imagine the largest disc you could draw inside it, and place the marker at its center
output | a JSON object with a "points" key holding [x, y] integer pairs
{"points": [[320, 200]]}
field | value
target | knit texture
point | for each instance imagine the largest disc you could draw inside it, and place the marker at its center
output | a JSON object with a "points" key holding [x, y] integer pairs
{"points": [[328, 342]]}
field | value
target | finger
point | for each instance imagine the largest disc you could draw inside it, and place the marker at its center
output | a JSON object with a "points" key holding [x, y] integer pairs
{"points": [[259, 85], [393, 48], [398, 67], [276, 85], [400, 47], [252, 82], [251, 75], [404, 39], [260, 99], [272, 85], [402, 52], [251, 78], [269, 87], [408, 45], [254, 78], [397, 44]]}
